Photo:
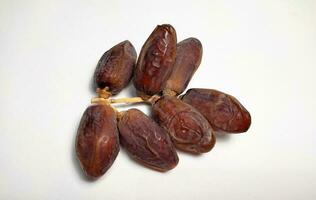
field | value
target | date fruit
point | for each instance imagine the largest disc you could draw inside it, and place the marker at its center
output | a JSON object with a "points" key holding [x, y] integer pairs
{"points": [[188, 129], [188, 59], [146, 142], [223, 111], [97, 142], [115, 67], [156, 60]]}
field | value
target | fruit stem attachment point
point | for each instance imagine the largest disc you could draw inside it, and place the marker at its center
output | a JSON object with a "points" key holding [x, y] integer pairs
{"points": [[153, 99], [104, 93], [168, 92]]}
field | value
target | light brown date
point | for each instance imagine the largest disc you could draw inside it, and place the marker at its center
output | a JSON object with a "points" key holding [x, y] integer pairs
{"points": [[188, 59], [156, 60], [146, 142], [188, 129], [115, 67], [223, 111], [97, 142]]}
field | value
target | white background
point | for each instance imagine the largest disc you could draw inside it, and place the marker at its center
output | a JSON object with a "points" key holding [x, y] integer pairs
{"points": [[262, 52]]}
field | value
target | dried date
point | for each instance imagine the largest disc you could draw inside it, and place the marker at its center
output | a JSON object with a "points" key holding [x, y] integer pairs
{"points": [[224, 112], [97, 142], [146, 142], [188, 129], [115, 67], [188, 59], [156, 60]]}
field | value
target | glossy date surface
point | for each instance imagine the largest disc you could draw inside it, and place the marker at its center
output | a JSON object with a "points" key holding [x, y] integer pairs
{"points": [[188, 129], [146, 142], [224, 112], [97, 142], [115, 67], [188, 59], [156, 60]]}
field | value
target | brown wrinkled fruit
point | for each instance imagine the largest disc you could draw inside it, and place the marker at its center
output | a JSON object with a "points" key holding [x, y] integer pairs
{"points": [[156, 60], [115, 67], [97, 143], [223, 111], [188, 129], [188, 59], [146, 142]]}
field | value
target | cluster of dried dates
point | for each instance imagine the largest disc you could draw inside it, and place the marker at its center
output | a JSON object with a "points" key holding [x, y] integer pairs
{"points": [[162, 72]]}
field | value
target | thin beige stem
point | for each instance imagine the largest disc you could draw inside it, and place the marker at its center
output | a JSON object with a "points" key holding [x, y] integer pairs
{"points": [[121, 100], [100, 100], [127, 100]]}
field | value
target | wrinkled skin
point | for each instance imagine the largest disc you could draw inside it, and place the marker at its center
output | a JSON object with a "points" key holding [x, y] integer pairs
{"points": [[223, 111], [97, 143], [188, 129], [115, 67], [156, 60], [146, 142], [188, 59]]}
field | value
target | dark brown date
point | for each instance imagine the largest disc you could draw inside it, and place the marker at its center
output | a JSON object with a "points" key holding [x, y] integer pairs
{"points": [[223, 111], [146, 142], [188, 129], [188, 59], [97, 143], [115, 67], [156, 60]]}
